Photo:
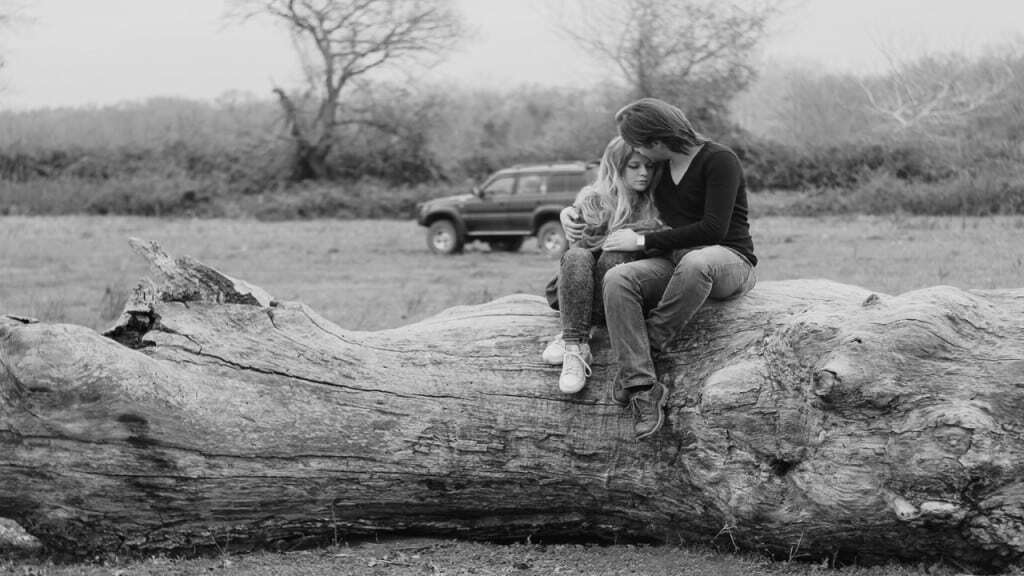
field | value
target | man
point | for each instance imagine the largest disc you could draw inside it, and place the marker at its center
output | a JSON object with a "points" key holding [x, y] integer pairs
{"points": [[708, 251]]}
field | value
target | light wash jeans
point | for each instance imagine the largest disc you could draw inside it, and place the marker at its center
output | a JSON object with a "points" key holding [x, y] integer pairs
{"points": [[580, 301], [647, 303]]}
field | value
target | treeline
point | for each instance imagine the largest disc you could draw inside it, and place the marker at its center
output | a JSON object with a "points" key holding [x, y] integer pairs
{"points": [[845, 143]]}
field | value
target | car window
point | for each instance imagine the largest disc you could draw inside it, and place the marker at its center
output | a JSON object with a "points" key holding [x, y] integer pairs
{"points": [[531, 184], [502, 185], [566, 182]]}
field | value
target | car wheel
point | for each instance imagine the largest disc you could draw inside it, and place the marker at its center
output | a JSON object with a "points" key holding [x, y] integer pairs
{"points": [[443, 238], [506, 244], [551, 239]]}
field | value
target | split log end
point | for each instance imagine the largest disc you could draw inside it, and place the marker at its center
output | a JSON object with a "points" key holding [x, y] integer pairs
{"points": [[16, 540]]}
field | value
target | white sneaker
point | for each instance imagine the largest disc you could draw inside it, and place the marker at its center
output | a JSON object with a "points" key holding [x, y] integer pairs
{"points": [[555, 351], [575, 368]]}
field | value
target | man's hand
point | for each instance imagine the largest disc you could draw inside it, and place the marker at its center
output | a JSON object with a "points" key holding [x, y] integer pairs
{"points": [[622, 240], [573, 229]]}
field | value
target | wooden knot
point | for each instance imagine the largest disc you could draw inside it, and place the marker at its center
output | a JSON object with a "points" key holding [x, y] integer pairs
{"points": [[824, 382]]}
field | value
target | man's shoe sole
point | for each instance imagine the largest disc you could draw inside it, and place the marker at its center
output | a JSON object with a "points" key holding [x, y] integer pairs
{"points": [[661, 413]]}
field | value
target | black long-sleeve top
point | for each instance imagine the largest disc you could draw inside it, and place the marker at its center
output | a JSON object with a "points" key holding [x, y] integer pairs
{"points": [[707, 207]]}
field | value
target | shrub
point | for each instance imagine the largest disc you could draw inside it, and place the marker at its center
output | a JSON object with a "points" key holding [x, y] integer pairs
{"points": [[54, 196], [885, 194], [769, 165], [366, 198], [130, 195], [156, 196]]}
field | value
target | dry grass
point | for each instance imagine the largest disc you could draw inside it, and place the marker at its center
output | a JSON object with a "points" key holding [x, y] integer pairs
{"points": [[419, 557], [378, 274]]}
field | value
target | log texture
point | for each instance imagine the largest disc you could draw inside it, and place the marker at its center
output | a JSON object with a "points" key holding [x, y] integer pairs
{"points": [[807, 419]]}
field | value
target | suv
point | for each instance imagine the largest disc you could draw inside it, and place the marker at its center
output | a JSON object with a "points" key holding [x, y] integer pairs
{"points": [[513, 203]]}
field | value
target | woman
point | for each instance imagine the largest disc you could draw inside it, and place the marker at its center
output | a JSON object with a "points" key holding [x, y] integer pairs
{"points": [[617, 200]]}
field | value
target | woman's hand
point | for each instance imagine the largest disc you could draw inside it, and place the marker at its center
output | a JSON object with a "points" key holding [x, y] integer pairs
{"points": [[622, 240], [572, 228]]}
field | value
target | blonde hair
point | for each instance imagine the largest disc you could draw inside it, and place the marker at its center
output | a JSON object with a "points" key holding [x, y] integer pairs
{"points": [[622, 204], [595, 207]]}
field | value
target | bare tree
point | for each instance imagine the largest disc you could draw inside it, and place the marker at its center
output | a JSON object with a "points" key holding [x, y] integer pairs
{"points": [[811, 109], [937, 91], [695, 52], [339, 43]]}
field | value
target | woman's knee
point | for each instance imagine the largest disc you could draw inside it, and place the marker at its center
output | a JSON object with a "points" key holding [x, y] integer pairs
{"points": [[576, 255]]}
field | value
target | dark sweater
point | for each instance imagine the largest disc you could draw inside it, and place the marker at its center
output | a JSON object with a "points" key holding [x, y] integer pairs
{"points": [[707, 207]]}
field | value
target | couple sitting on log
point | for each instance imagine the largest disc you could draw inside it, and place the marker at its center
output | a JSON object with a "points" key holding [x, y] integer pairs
{"points": [[663, 228]]}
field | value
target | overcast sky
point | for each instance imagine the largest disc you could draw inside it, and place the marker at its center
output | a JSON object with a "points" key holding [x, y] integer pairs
{"points": [[95, 52]]}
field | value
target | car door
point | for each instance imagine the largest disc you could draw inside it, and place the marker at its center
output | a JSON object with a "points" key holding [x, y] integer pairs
{"points": [[530, 192], [487, 213], [564, 186]]}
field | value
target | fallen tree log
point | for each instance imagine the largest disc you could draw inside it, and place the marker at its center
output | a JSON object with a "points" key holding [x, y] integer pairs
{"points": [[807, 419]]}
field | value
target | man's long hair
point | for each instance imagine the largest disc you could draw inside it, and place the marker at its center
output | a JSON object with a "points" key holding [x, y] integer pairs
{"points": [[647, 120]]}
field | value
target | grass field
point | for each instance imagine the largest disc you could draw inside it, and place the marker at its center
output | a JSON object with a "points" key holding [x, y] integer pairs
{"points": [[377, 274], [373, 274]]}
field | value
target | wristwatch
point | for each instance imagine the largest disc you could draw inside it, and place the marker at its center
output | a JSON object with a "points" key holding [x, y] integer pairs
{"points": [[640, 240]]}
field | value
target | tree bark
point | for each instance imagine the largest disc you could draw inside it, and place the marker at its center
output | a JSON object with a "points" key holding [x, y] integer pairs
{"points": [[807, 419]]}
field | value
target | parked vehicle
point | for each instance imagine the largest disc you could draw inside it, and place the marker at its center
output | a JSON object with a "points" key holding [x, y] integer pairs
{"points": [[511, 205]]}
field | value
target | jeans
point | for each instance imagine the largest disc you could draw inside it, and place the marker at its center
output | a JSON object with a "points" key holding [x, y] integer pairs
{"points": [[580, 300], [648, 302]]}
